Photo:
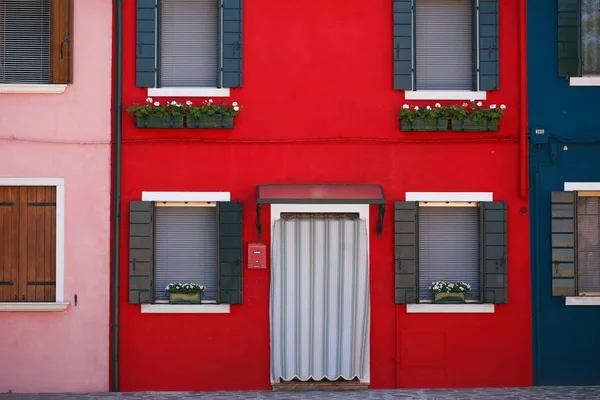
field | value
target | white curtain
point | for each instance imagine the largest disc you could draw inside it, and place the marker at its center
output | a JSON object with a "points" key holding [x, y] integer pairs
{"points": [[319, 304]]}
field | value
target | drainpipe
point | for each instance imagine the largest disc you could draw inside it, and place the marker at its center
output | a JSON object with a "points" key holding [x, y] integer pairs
{"points": [[117, 195], [523, 160]]}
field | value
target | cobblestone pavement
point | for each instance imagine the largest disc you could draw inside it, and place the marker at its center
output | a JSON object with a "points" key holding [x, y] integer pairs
{"points": [[559, 393]]}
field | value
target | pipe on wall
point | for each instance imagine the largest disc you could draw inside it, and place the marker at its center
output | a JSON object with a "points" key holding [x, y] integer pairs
{"points": [[523, 159]]}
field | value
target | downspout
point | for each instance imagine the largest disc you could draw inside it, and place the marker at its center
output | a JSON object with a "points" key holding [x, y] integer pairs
{"points": [[523, 159], [117, 195]]}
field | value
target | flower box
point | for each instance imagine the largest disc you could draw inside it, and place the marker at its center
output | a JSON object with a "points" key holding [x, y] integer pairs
{"points": [[468, 125], [185, 298], [423, 125], [210, 122], [449, 298], [156, 121]]}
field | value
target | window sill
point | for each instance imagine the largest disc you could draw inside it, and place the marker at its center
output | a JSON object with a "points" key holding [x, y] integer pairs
{"points": [[188, 91], [585, 81], [450, 308], [32, 89], [444, 95], [185, 308], [34, 306], [582, 301]]}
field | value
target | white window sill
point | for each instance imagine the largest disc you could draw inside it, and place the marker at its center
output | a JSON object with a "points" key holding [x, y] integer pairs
{"points": [[450, 308], [185, 308], [585, 81], [188, 91], [582, 301], [62, 306], [39, 89], [444, 95]]}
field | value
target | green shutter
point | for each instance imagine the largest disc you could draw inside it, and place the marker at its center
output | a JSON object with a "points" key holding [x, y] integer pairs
{"points": [[230, 59], [406, 251], [494, 242], [563, 216], [489, 45], [403, 44], [568, 38], [229, 256], [145, 44], [141, 252]]}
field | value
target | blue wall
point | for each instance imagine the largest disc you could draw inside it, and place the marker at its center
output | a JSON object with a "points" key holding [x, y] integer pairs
{"points": [[566, 340]]}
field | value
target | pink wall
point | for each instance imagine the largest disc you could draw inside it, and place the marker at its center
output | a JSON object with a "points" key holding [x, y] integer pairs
{"points": [[66, 136]]}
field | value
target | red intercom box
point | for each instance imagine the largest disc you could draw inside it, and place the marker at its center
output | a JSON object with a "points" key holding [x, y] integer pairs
{"points": [[257, 255]]}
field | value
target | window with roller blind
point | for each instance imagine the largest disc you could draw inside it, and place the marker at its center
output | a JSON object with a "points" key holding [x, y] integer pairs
{"points": [[578, 38], [36, 41]]}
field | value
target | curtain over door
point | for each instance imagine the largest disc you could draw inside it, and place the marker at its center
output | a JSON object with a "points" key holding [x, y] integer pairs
{"points": [[320, 305]]}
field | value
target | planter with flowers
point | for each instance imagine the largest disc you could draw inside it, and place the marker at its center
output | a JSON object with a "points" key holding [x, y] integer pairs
{"points": [[474, 117], [210, 115], [449, 293], [470, 117], [153, 114], [185, 293], [424, 119]]}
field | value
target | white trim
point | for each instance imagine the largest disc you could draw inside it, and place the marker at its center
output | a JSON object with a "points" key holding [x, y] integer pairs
{"points": [[449, 196], [32, 89], [582, 301], [58, 306], [363, 213], [444, 95], [188, 91], [60, 228], [186, 196], [576, 186], [185, 309], [450, 308], [585, 81]]}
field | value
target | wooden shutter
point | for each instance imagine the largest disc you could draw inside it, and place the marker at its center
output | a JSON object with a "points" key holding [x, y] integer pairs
{"points": [[9, 243], [229, 256], [489, 45], [61, 68], [141, 249], [563, 243], [145, 44], [568, 38], [231, 49], [494, 243], [406, 251], [403, 44]]}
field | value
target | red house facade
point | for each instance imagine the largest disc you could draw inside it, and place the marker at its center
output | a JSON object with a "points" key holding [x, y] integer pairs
{"points": [[358, 216]]}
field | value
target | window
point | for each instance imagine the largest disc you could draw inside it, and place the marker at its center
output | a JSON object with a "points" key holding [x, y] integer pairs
{"points": [[28, 243], [446, 45], [35, 41], [588, 245], [590, 36], [186, 242], [189, 43], [451, 241]]}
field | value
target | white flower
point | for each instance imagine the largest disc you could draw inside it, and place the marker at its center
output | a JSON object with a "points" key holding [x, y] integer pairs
{"points": [[178, 104], [437, 105], [234, 104], [479, 104], [465, 105], [472, 100], [149, 100], [188, 103], [503, 107], [406, 107], [493, 107], [416, 108], [210, 100], [173, 103], [156, 103], [429, 108], [236, 108]]}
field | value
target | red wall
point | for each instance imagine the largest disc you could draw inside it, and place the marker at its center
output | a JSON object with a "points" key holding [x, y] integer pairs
{"points": [[318, 107]]}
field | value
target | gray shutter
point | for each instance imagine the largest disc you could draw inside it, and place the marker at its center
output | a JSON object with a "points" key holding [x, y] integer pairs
{"points": [[489, 45], [444, 45], [403, 44], [231, 49], [229, 258], [568, 38], [563, 243], [406, 251], [141, 247], [494, 243], [25, 49], [145, 44], [188, 43], [449, 248]]}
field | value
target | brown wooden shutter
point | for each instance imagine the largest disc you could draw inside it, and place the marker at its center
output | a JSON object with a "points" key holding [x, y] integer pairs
{"points": [[61, 50], [9, 242]]}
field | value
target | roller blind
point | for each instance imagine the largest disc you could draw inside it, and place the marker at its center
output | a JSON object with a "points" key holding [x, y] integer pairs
{"points": [[449, 248], [588, 246], [444, 44], [185, 248], [24, 41], [188, 42]]}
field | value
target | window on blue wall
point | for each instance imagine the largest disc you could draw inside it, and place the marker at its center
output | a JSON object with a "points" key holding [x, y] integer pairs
{"points": [[588, 245], [590, 36]]}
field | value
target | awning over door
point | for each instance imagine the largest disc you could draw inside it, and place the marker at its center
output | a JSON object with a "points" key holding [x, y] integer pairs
{"points": [[320, 194]]}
